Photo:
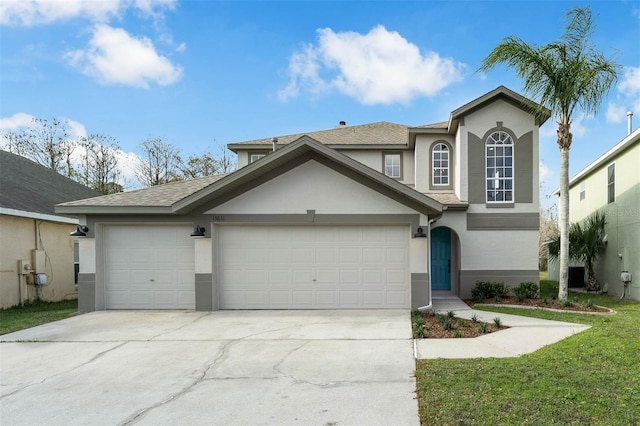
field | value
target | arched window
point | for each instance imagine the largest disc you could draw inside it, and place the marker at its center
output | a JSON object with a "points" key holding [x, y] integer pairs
{"points": [[440, 160], [499, 170]]}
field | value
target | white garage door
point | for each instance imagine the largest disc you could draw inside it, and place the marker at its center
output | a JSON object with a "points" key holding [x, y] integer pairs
{"points": [[313, 267], [149, 267]]}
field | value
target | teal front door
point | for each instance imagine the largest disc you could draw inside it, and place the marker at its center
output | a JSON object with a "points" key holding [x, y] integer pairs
{"points": [[441, 259]]}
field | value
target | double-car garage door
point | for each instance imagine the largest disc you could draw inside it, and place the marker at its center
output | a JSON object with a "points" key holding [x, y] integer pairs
{"points": [[313, 267], [261, 267]]}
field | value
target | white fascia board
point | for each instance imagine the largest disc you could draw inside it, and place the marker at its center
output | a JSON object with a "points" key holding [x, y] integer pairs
{"points": [[38, 216]]}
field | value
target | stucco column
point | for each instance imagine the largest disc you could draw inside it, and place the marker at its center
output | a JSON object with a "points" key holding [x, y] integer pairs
{"points": [[87, 274], [203, 274], [420, 292]]}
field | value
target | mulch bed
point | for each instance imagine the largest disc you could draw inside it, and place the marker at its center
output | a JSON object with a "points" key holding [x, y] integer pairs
{"points": [[462, 328], [548, 304]]}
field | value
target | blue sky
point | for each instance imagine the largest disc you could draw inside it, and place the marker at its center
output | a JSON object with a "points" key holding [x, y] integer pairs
{"points": [[206, 73]]}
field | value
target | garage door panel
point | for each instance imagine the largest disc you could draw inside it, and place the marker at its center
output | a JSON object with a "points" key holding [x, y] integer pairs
{"points": [[149, 267], [326, 299], [350, 299], [321, 267]]}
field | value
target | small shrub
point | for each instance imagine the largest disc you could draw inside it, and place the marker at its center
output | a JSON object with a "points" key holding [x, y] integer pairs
{"points": [[441, 318], [590, 304], [483, 328], [448, 324], [421, 331], [567, 303], [458, 334], [545, 301], [497, 322], [474, 318], [451, 314], [526, 290], [484, 290], [461, 324], [419, 321]]}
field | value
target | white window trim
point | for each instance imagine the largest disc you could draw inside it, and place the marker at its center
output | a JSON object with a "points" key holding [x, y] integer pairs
{"points": [[498, 178], [255, 156], [384, 164], [434, 168], [583, 191], [610, 184]]}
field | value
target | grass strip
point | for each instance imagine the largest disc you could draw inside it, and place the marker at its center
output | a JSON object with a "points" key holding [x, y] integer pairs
{"points": [[29, 315]]}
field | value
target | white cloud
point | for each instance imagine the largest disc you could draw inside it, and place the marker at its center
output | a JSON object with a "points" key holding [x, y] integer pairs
{"points": [[628, 98], [545, 172], [380, 67], [116, 57], [42, 12], [616, 113], [16, 121]]}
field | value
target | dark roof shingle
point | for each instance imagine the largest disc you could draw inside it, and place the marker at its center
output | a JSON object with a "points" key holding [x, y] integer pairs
{"points": [[30, 187]]}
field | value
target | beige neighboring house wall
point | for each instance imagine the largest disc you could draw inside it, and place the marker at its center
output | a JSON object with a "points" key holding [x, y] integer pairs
{"points": [[623, 214], [20, 236]]}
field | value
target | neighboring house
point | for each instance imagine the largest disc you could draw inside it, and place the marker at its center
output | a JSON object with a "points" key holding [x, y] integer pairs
{"points": [[31, 232], [611, 184], [378, 215]]}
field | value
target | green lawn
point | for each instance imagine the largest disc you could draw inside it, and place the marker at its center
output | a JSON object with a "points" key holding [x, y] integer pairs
{"points": [[32, 314], [590, 378]]}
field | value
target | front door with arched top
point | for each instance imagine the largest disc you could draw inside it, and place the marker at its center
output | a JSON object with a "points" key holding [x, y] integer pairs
{"points": [[441, 259]]}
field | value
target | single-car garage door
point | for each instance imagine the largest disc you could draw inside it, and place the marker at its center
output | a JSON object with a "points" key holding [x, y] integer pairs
{"points": [[313, 267], [149, 267]]}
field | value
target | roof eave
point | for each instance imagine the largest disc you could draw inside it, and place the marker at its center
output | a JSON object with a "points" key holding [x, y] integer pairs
{"points": [[75, 210]]}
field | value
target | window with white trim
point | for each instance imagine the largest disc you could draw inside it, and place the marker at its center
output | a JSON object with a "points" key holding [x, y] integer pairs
{"points": [[440, 161], [255, 156], [392, 165], [499, 167], [583, 191], [611, 183]]}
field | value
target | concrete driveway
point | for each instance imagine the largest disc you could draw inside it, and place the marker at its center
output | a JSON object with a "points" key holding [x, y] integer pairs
{"points": [[226, 367]]}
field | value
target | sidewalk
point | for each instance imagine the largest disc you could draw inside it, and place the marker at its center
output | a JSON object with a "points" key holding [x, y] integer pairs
{"points": [[524, 336]]}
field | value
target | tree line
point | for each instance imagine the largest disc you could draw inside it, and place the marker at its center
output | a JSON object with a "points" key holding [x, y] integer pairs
{"points": [[95, 160]]}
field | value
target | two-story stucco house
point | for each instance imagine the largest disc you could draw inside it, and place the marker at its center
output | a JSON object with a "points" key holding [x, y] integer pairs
{"points": [[378, 215], [611, 184]]}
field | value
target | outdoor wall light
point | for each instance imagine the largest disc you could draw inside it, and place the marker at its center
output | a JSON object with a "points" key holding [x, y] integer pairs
{"points": [[419, 234], [81, 231], [198, 232]]}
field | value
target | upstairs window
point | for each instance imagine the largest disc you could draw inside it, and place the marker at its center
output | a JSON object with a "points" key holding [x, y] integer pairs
{"points": [[499, 168], [440, 161], [611, 184], [392, 165], [583, 191], [255, 156]]}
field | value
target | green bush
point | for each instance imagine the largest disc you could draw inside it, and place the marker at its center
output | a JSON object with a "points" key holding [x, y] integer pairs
{"points": [[484, 290], [526, 290]]}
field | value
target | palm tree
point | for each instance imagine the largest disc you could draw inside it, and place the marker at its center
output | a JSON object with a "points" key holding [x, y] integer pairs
{"points": [[585, 245], [563, 76]]}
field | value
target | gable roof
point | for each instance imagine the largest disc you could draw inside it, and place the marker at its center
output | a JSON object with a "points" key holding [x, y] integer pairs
{"points": [[198, 195], [29, 187], [366, 135], [450, 127]]}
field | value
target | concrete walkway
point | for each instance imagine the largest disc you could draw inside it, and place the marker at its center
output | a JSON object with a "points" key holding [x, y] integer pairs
{"points": [[525, 335]]}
